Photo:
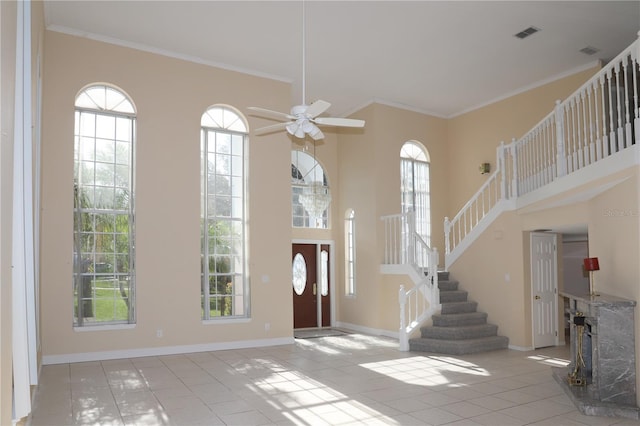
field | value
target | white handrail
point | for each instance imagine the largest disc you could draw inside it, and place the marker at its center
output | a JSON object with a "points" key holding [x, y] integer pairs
{"points": [[404, 246], [598, 120]]}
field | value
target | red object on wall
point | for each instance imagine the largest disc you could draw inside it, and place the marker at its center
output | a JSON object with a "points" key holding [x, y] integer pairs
{"points": [[591, 264]]}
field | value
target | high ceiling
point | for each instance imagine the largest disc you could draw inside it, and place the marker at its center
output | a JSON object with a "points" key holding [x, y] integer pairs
{"points": [[441, 58]]}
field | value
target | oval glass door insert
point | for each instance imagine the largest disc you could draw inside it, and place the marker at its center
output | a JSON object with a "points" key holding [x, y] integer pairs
{"points": [[299, 274]]}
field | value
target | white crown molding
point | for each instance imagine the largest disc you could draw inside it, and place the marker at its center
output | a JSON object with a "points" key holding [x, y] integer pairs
{"points": [[393, 105], [530, 87], [163, 52]]}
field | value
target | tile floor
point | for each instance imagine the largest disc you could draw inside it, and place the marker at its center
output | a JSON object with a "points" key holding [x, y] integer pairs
{"points": [[341, 380]]}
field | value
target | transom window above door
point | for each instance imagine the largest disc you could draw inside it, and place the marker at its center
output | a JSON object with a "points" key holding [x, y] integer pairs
{"points": [[310, 194]]}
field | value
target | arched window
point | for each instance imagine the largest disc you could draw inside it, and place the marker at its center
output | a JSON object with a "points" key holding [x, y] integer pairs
{"points": [[103, 276], [414, 171], [310, 195], [350, 252], [222, 210]]}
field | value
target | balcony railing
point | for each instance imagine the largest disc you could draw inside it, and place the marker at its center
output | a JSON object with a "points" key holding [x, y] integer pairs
{"points": [[600, 119]]}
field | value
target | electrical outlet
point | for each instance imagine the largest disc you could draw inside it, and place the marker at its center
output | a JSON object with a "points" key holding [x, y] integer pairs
{"points": [[267, 326], [159, 333]]}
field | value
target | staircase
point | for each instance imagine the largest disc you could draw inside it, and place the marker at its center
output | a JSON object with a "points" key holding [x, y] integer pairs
{"points": [[458, 329]]}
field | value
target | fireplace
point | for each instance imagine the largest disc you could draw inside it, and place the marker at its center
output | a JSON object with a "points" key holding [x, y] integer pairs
{"points": [[601, 379]]}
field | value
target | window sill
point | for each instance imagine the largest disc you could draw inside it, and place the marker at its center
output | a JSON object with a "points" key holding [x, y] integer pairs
{"points": [[106, 327], [226, 321]]}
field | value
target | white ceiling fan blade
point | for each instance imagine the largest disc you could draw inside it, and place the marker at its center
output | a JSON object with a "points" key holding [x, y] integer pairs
{"points": [[276, 115], [271, 128], [336, 121], [317, 108]]}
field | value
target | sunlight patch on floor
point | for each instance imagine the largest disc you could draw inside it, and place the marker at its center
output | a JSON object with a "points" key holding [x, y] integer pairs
{"points": [[547, 360], [425, 371]]}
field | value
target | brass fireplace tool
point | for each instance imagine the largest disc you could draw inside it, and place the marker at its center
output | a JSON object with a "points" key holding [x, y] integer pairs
{"points": [[576, 377]]}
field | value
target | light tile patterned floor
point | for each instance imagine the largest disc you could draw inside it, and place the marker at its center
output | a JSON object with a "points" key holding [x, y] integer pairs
{"points": [[342, 380]]}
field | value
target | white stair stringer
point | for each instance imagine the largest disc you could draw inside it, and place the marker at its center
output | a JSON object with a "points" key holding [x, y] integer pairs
{"points": [[483, 224]]}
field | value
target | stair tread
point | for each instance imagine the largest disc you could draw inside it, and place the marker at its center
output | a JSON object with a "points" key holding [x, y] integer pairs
{"points": [[457, 319], [458, 307], [471, 326], [459, 303], [459, 328], [462, 314], [459, 347], [460, 342], [460, 332]]}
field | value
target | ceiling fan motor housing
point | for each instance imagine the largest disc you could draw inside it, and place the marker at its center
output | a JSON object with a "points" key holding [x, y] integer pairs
{"points": [[298, 111]]}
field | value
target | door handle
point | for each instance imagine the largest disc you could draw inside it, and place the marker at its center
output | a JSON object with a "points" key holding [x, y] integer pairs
{"points": [[537, 297]]}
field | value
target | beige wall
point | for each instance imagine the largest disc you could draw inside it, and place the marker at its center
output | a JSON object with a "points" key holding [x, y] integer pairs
{"points": [[364, 174], [474, 136], [614, 238], [612, 215], [492, 270], [369, 170], [170, 96]]}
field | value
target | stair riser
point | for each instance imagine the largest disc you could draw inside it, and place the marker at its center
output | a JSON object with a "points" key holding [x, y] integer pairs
{"points": [[453, 320], [459, 347], [458, 308], [459, 329], [453, 296], [448, 285], [460, 333]]}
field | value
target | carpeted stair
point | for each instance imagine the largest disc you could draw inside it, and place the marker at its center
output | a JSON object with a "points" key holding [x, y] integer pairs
{"points": [[458, 329]]}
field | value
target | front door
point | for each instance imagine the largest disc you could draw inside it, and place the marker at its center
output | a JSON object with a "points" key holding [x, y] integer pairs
{"points": [[544, 285], [305, 287]]}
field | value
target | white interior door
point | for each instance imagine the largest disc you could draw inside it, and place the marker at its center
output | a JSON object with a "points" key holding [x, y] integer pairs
{"points": [[544, 289]]}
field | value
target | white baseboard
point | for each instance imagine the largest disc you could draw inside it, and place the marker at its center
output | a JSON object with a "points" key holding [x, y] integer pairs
{"points": [[521, 348], [367, 330], [164, 350]]}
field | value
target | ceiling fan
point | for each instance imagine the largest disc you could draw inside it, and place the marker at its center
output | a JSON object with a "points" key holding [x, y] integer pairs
{"points": [[303, 119]]}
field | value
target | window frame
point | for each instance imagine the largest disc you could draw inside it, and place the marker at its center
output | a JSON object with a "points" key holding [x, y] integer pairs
{"points": [[301, 179], [414, 156], [350, 253], [230, 124], [85, 265]]}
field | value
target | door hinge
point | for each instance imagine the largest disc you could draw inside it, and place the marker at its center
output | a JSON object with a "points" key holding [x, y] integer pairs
{"points": [[556, 333]]}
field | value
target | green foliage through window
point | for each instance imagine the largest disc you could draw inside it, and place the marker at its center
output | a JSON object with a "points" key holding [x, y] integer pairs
{"points": [[103, 284]]}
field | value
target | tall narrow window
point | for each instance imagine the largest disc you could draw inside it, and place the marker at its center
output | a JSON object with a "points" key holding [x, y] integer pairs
{"points": [[350, 253], [414, 169], [103, 258], [310, 195], [222, 209]]}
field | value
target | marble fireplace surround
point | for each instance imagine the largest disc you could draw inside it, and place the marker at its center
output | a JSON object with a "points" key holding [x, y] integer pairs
{"points": [[608, 345]]}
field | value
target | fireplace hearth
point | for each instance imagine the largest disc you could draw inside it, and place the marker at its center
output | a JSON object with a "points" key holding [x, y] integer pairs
{"points": [[601, 378]]}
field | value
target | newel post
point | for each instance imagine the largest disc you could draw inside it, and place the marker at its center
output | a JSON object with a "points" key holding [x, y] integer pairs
{"points": [[503, 171], [514, 171], [561, 164], [447, 239], [402, 335]]}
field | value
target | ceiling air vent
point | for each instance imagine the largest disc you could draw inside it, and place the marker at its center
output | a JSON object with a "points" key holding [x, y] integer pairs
{"points": [[589, 50], [527, 32]]}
